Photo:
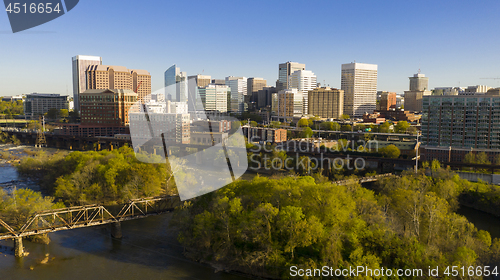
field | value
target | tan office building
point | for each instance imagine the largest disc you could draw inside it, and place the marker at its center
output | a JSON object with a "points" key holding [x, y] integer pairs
{"points": [[326, 102], [201, 80], [290, 103], [106, 107], [254, 85], [418, 89], [119, 77]]}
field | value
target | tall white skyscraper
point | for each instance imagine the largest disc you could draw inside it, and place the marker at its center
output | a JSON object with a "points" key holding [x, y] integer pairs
{"points": [[303, 81], [359, 83], [285, 70], [238, 86], [80, 64]]}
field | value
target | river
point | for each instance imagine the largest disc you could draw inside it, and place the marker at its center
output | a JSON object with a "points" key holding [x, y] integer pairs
{"points": [[148, 250]]}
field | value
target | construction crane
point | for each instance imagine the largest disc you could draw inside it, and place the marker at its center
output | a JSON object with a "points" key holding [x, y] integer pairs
{"points": [[138, 86]]}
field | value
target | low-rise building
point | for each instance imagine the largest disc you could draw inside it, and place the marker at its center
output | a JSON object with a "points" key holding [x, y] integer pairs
{"points": [[37, 104], [257, 134], [174, 127], [215, 126], [373, 118], [208, 138], [400, 115]]}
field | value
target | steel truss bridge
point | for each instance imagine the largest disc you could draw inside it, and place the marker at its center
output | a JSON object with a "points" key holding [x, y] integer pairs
{"points": [[87, 216]]}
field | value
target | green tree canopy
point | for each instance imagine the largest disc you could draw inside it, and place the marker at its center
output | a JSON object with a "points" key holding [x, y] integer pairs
{"points": [[401, 127], [307, 133], [390, 151], [303, 123], [384, 127]]}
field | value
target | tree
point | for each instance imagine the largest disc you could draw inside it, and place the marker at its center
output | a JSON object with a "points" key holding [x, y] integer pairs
{"points": [[384, 128], [412, 130], [53, 114], [482, 158], [275, 124], [345, 117], [401, 127], [470, 157], [346, 127], [303, 123], [63, 113], [307, 133], [73, 116], [390, 151]]}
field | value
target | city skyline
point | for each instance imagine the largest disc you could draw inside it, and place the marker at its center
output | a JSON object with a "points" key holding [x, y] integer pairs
{"points": [[386, 34]]}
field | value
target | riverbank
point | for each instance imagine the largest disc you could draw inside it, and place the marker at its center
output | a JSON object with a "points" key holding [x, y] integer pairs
{"points": [[148, 250]]}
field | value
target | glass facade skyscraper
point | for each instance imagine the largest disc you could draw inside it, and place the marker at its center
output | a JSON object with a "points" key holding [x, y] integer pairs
{"points": [[176, 85]]}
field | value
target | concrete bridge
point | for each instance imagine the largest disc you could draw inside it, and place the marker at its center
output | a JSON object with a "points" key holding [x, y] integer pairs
{"points": [[86, 216]]}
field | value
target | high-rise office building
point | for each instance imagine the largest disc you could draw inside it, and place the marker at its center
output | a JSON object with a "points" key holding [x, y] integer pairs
{"points": [[290, 103], [303, 81], [419, 87], [141, 84], [106, 107], [387, 100], [326, 102], [201, 80], [264, 97], [215, 97], [80, 64], [455, 125], [359, 83], [285, 70], [176, 88], [238, 87], [253, 87], [419, 82], [119, 77]]}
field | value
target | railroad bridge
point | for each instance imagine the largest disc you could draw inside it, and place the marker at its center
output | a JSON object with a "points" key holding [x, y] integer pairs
{"points": [[86, 216]]}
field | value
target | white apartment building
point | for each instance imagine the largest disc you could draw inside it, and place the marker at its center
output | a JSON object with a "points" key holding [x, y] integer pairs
{"points": [[303, 81], [359, 83], [238, 87]]}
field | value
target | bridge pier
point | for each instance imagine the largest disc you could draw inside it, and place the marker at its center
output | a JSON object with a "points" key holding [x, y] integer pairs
{"points": [[116, 230], [18, 248]]}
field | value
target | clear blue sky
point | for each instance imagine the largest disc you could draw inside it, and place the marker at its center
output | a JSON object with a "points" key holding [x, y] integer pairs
{"points": [[453, 42]]}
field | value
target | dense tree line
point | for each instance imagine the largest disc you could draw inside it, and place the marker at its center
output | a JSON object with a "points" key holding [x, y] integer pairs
{"points": [[6, 139], [18, 205], [10, 109], [266, 225], [97, 177]]}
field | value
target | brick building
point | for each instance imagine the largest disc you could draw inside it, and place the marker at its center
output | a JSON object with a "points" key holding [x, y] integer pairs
{"points": [[257, 134]]}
